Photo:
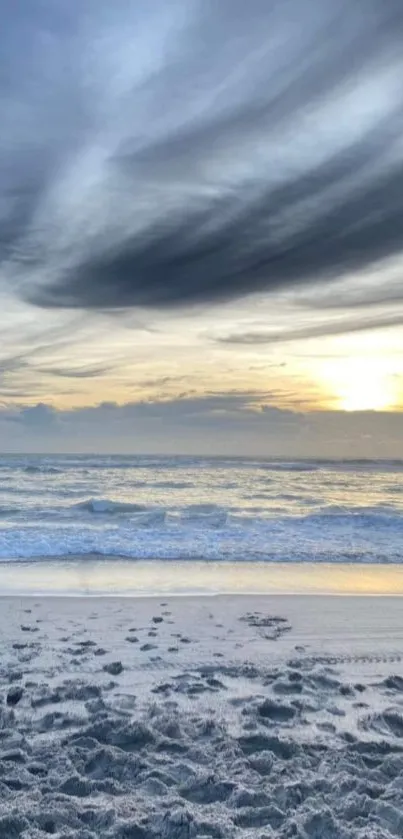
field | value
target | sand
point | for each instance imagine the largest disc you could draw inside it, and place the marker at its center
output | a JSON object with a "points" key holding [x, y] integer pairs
{"points": [[185, 717]]}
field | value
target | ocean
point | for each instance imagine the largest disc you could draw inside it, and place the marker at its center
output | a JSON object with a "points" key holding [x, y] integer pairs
{"points": [[188, 508]]}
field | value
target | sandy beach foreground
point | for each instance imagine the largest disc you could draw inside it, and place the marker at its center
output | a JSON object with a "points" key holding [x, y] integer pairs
{"points": [[191, 717]]}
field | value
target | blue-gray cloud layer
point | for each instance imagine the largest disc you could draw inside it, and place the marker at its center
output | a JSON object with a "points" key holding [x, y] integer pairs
{"points": [[169, 153], [216, 423]]}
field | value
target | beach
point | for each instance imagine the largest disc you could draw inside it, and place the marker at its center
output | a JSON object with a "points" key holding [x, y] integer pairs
{"points": [[201, 716], [200, 649]]}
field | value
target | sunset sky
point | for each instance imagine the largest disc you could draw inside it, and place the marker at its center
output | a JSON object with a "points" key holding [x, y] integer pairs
{"points": [[201, 227]]}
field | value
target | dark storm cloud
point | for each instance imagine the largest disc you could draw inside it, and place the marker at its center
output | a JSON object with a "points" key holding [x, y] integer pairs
{"points": [[169, 154]]}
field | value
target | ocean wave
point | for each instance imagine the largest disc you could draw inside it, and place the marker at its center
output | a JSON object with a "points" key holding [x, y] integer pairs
{"points": [[171, 484], [33, 469], [210, 534], [350, 465], [355, 519], [202, 509], [8, 511], [357, 510], [107, 506], [289, 467], [27, 550], [363, 464], [211, 515], [258, 496]]}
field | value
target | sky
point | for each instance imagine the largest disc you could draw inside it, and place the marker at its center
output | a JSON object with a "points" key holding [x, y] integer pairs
{"points": [[201, 227]]}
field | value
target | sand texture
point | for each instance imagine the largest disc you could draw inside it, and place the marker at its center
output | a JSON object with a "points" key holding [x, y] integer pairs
{"points": [[189, 718]]}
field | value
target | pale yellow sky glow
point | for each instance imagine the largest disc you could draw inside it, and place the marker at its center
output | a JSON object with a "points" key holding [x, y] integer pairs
{"points": [[78, 360], [264, 375], [258, 376]]}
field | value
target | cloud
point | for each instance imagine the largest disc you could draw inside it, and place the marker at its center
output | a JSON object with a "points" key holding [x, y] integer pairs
{"points": [[240, 423], [40, 416], [165, 157], [214, 410], [211, 408], [83, 372], [161, 381], [376, 289], [343, 326]]}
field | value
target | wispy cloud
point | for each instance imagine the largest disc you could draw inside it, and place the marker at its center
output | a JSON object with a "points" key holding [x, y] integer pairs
{"points": [[343, 326], [164, 155], [83, 372]]}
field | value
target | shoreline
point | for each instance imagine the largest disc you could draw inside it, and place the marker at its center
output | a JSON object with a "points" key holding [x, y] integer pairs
{"points": [[218, 595], [97, 576]]}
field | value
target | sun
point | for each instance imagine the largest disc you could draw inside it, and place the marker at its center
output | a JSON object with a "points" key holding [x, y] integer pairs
{"points": [[362, 396], [361, 385]]}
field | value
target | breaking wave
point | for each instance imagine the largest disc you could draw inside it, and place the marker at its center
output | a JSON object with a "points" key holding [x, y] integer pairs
{"points": [[105, 506], [32, 469]]}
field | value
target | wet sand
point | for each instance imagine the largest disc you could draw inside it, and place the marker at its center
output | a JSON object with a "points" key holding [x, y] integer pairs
{"points": [[95, 575]]}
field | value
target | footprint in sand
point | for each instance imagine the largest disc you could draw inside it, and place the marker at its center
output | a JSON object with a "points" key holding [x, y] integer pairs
{"points": [[115, 668], [271, 627]]}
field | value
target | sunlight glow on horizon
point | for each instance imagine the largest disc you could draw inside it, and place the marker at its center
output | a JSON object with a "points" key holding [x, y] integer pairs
{"points": [[362, 384]]}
